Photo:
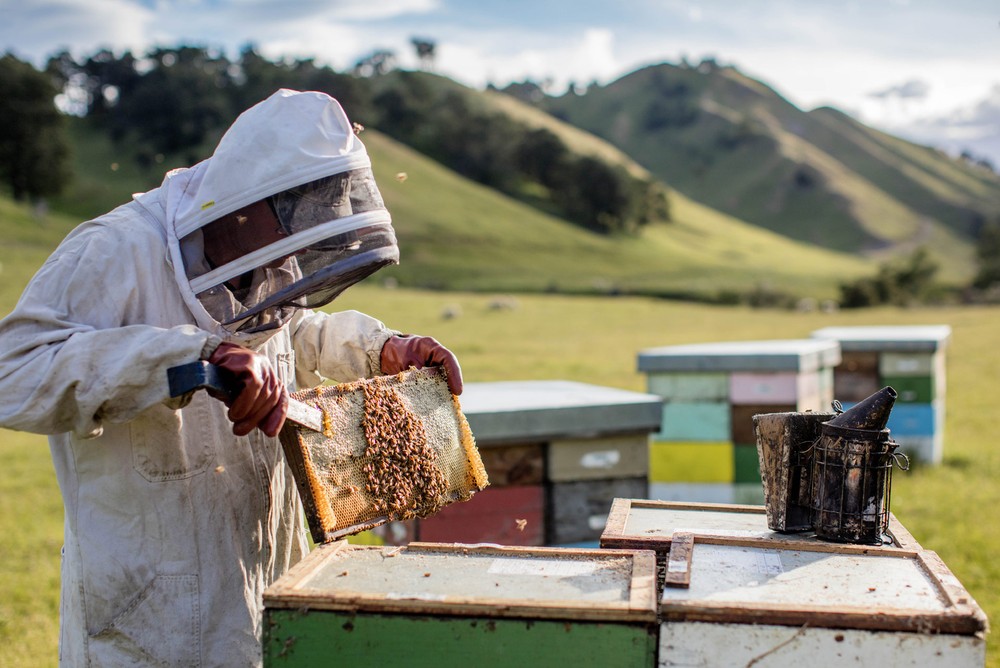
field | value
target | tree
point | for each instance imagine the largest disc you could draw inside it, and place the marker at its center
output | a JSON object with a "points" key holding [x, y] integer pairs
{"points": [[900, 283], [181, 101], [380, 61], [425, 51], [34, 149]]}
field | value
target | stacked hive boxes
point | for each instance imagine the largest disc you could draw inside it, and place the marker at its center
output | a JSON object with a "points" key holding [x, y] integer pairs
{"points": [[911, 360], [705, 449], [748, 593], [556, 453], [454, 605]]}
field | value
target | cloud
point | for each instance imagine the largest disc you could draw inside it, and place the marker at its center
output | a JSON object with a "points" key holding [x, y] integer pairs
{"points": [[581, 57], [974, 129], [42, 27], [914, 89]]}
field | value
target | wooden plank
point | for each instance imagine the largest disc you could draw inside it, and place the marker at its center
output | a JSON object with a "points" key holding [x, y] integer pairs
{"points": [[746, 464], [915, 419], [515, 464], [912, 389], [694, 421], [616, 456], [691, 461], [693, 492], [743, 430], [335, 638], [859, 361], [689, 386], [512, 515], [578, 511], [855, 385], [649, 524], [766, 388], [685, 644], [678, 570], [906, 364]]}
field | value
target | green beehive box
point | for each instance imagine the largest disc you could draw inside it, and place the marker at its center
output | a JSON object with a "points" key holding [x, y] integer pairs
{"points": [[457, 605], [912, 389]]}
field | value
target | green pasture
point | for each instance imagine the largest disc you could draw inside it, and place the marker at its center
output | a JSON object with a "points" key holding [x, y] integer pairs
{"points": [[594, 340], [458, 235]]}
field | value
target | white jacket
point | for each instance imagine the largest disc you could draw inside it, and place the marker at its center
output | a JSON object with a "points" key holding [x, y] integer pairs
{"points": [[173, 525]]}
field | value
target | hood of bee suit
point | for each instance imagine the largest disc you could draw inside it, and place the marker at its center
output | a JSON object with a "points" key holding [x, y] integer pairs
{"points": [[331, 234]]}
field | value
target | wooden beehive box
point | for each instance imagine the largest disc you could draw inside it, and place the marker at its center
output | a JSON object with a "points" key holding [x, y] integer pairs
{"points": [[461, 605], [643, 524], [911, 360], [572, 446], [821, 605], [711, 391]]}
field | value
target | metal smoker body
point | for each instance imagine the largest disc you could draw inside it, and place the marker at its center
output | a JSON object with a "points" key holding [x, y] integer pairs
{"points": [[830, 473]]}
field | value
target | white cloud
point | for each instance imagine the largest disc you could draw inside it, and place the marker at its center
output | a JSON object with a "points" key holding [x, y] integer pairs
{"points": [[912, 89], [503, 58], [35, 30]]}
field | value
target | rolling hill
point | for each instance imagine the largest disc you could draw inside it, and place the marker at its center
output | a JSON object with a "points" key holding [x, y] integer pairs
{"points": [[820, 177], [455, 234]]}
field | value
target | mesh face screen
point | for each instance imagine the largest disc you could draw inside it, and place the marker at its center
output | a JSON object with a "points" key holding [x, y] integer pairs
{"points": [[393, 448]]}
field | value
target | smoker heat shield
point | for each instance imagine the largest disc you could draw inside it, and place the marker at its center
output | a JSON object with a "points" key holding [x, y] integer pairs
{"points": [[392, 448]]}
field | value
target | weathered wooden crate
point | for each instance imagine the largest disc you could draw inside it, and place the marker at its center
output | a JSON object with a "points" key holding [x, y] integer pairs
{"points": [[817, 605], [451, 605]]}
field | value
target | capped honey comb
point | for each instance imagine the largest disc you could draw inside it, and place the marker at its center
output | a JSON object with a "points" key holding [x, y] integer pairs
{"points": [[393, 448]]}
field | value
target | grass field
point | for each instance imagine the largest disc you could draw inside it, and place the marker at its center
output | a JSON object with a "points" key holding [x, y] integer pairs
{"points": [[592, 340], [498, 242]]}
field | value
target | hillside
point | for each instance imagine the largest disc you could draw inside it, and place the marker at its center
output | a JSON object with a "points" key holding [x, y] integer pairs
{"points": [[735, 145], [455, 234]]}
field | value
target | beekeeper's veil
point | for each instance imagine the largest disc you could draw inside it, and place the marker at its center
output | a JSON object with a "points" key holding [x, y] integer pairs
{"points": [[284, 215]]}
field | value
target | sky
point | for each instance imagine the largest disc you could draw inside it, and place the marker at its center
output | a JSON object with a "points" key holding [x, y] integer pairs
{"points": [[927, 70]]}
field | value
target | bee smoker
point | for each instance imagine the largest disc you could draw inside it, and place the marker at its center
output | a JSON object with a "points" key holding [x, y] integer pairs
{"points": [[831, 473], [852, 472]]}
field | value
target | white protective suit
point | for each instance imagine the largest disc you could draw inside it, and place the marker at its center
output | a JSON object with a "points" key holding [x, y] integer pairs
{"points": [[173, 525]]}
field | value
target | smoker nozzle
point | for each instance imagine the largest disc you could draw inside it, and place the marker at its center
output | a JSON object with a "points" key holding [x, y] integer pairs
{"points": [[869, 414]]}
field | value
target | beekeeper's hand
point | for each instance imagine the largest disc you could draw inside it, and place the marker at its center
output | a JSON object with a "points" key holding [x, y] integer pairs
{"points": [[263, 400], [401, 352]]}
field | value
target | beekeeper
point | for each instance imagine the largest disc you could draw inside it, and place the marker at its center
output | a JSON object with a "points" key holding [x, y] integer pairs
{"points": [[178, 513]]}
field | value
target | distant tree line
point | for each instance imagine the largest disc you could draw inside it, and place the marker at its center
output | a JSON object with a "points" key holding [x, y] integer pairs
{"points": [[177, 101]]}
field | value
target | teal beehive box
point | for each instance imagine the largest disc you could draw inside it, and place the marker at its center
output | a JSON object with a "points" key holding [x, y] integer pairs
{"points": [[459, 605]]}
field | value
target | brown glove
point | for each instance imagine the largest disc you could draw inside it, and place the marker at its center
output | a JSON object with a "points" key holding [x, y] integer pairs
{"points": [[402, 352], [263, 401]]}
